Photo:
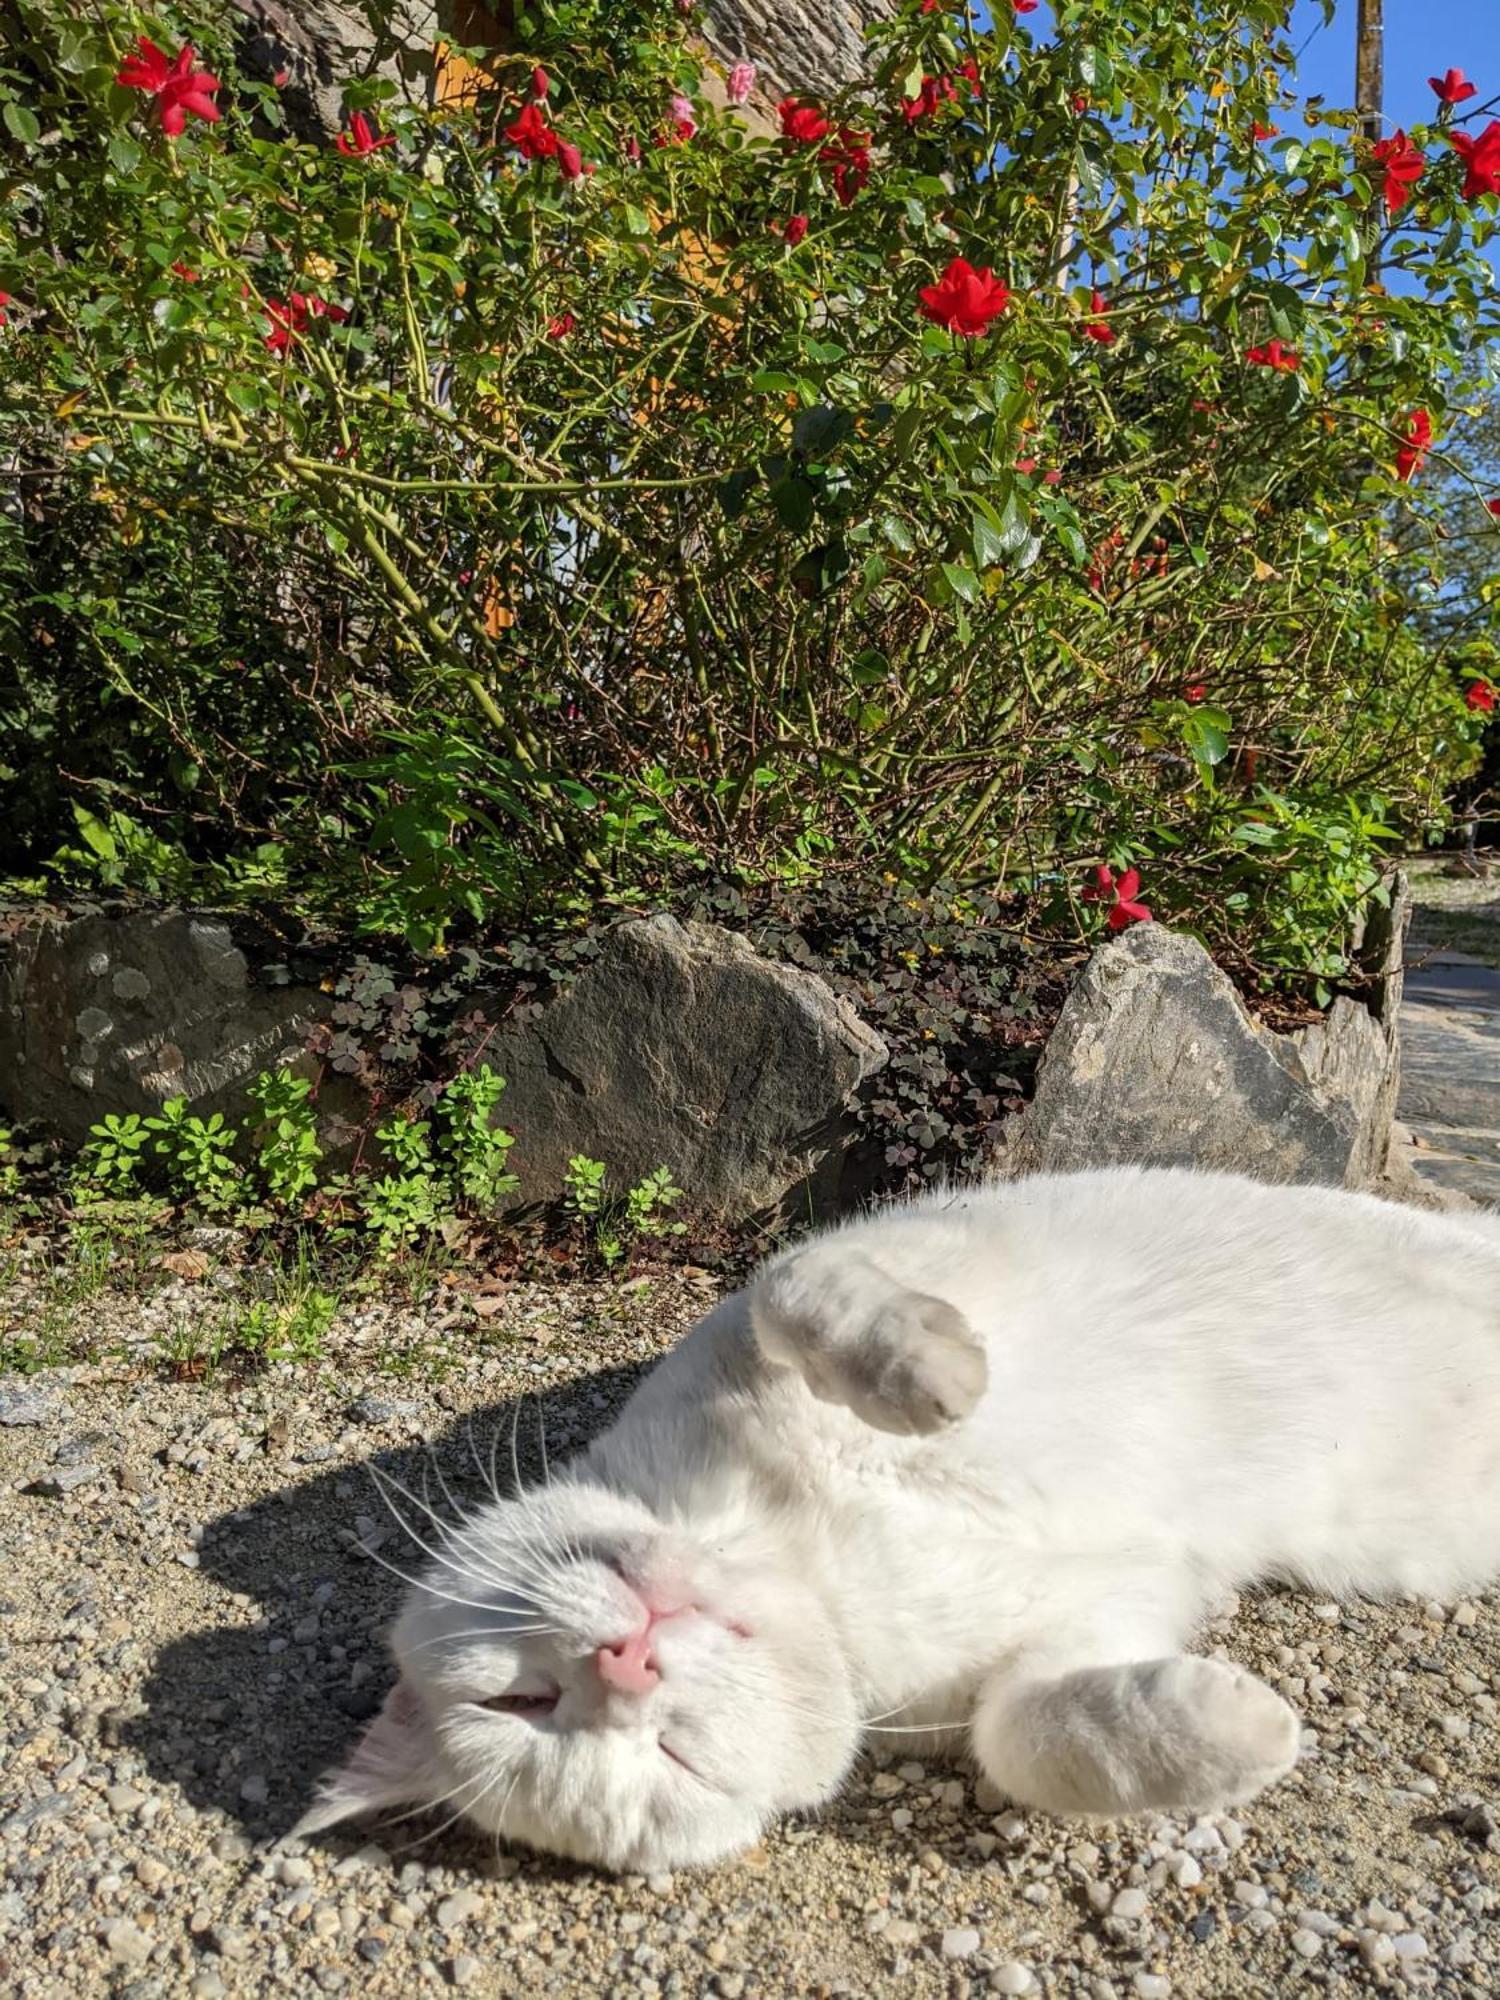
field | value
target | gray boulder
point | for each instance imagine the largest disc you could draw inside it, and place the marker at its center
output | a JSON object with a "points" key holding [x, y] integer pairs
{"points": [[1155, 1060], [117, 1010], [318, 46], [812, 45], [680, 1046]]}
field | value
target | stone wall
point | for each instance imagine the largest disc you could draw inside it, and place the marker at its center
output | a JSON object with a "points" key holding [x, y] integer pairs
{"points": [[812, 45], [681, 1046], [799, 44]]}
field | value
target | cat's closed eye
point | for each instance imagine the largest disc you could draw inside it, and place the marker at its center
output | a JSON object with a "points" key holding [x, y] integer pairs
{"points": [[530, 1705]]}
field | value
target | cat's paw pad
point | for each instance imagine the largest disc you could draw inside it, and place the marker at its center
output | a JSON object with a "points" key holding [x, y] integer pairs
{"points": [[1231, 1735], [919, 1369]]}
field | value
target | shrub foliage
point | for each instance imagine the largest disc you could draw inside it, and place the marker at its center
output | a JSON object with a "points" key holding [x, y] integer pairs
{"points": [[541, 499]]}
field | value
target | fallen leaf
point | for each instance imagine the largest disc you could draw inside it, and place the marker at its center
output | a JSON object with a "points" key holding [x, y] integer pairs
{"points": [[184, 1263]]}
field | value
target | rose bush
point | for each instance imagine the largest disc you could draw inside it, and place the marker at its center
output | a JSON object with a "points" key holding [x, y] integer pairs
{"points": [[1008, 471]]}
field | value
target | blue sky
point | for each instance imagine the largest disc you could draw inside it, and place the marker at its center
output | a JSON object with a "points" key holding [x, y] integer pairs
{"points": [[1422, 39]]}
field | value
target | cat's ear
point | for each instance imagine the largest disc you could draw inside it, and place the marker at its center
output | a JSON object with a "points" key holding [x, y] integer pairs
{"points": [[392, 1764]]}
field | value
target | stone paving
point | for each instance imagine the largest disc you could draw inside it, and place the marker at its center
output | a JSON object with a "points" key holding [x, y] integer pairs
{"points": [[1450, 1034]]}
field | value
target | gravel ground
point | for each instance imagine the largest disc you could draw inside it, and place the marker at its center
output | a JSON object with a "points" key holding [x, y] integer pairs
{"points": [[192, 1604]]}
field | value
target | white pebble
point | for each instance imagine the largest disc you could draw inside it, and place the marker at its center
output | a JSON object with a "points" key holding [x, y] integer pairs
{"points": [[1152, 1985], [960, 1943], [127, 1943], [458, 1908], [1130, 1904], [1319, 1923], [1306, 1944], [1410, 1944], [1185, 1871], [1012, 1977]]}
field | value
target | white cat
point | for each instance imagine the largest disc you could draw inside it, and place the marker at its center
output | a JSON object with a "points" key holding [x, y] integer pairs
{"points": [[982, 1462]]}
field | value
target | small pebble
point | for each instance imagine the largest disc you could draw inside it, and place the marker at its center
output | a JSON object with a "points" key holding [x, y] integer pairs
{"points": [[1012, 1977], [960, 1943], [458, 1908]]}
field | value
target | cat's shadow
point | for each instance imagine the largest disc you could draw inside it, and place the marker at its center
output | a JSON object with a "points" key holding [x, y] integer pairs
{"points": [[244, 1716]]}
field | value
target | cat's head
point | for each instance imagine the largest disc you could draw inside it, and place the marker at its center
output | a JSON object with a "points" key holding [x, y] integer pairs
{"points": [[579, 1676]]}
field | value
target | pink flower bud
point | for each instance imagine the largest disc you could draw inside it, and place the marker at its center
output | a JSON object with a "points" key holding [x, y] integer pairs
{"points": [[741, 82]]}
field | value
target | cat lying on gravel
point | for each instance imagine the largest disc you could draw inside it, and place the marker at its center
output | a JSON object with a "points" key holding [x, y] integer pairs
{"points": [[972, 1469]]}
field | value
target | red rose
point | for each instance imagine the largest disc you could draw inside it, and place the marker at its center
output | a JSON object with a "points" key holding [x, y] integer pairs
{"points": [[1197, 691], [560, 327], [1098, 328], [289, 318], [796, 229], [1404, 164], [1413, 452], [570, 162], [802, 124], [531, 135], [1122, 897], [1274, 355], [964, 300], [849, 157], [360, 138], [1481, 158], [935, 91], [541, 83], [1452, 87], [1259, 131], [180, 90], [1479, 698]]}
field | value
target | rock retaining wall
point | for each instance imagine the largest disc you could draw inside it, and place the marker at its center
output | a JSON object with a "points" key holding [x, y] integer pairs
{"points": [[680, 1046]]}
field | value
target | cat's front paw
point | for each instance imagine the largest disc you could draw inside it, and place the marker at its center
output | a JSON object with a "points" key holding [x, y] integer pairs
{"points": [[918, 1369], [1229, 1735]]}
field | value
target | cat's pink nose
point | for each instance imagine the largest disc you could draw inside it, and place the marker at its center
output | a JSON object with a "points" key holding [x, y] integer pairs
{"points": [[629, 1664]]}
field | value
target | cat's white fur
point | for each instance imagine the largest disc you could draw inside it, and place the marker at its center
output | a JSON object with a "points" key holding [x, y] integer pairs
{"points": [[981, 1462]]}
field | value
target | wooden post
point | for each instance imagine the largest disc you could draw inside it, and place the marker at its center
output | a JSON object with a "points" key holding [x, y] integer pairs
{"points": [[1369, 51]]}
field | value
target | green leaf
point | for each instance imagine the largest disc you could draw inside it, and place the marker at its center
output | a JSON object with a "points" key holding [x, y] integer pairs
{"points": [[21, 122], [1208, 743], [124, 153], [773, 382], [818, 430], [962, 582], [1095, 68], [793, 500]]}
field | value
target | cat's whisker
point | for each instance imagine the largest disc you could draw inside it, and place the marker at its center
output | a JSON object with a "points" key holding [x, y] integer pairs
{"points": [[541, 1438], [431, 1589], [515, 1431], [432, 1805], [506, 1631], [915, 1728], [478, 1567], [467, 1806]]}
